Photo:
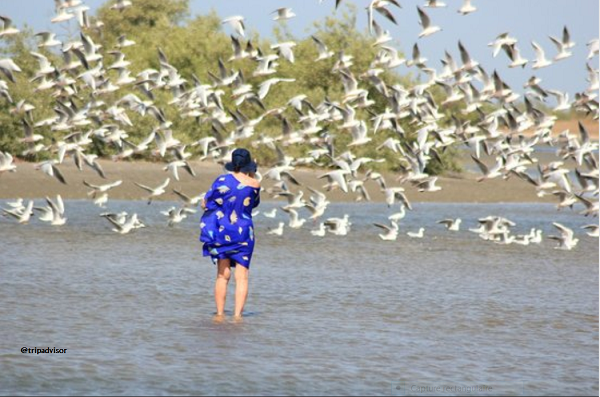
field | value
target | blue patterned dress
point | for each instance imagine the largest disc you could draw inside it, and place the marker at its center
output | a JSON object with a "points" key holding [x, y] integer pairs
{"points": [[226, 228]]}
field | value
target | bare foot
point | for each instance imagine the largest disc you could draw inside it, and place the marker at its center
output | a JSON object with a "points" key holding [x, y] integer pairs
{"points": [[238, 319], [218, 318]]}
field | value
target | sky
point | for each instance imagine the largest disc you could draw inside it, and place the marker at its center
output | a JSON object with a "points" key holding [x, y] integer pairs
{"points": [[526, 20]]}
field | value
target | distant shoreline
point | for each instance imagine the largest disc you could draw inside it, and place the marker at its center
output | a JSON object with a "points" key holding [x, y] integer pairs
{"points": [[29, 183]]}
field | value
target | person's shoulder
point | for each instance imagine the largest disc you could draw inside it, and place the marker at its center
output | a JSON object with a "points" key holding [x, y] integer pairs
{"points": [[253, 183], [247, 181], [220, 178]]}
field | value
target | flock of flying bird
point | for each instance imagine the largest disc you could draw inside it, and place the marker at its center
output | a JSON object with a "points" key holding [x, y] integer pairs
{"points": [[508, 135]]}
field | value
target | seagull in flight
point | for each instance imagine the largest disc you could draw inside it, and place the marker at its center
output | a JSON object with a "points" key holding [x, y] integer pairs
{"points": [[540, 57], [57, 209], [101, 188], [467, 8], [391, 231], [237, 23], [49, 168], [283, 13], [6, 163], [23, 215], [566, 239], [127, 226], [428, 29], [451, 224], [154, 192]]}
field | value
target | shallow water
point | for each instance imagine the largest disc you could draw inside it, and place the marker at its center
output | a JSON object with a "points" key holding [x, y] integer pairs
{"points": [[337, 315]]}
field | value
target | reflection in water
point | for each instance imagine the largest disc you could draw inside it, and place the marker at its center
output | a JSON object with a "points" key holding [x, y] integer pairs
{"points": [[335, 315]]}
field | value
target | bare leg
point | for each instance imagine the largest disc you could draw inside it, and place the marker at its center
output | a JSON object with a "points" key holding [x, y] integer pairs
{"points": [[241, 289], [223, 276]]}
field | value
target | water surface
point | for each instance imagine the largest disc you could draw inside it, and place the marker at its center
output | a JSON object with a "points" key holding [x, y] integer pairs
{"points": [[334, 315]]}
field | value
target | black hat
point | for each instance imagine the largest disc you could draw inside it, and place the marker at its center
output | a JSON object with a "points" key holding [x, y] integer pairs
{"points": [[241, 161]]}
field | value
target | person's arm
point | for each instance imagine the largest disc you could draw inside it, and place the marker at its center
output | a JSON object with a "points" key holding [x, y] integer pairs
{"points": [[256, 199]]}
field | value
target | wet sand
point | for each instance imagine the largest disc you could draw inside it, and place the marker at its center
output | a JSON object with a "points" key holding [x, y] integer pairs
{"points": [[30, 183]]}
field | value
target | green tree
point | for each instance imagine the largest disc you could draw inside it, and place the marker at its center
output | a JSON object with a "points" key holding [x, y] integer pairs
{"points": [[193, 46]]}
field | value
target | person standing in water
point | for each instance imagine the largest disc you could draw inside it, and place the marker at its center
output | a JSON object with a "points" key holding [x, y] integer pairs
{"points": [[226, 228]]}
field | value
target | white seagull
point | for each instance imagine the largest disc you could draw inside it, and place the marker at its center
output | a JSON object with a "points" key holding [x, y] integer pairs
{"points": [[22, 215], [428, 30], [189, 201], [320, 232], [324, 52], [8, 28], [6, 163], [120, 5], [49, 168], [391, 231], [154, 192], [127, 226], [566, 238], [338, 226], [592, 230], [295, 221], [418, 234], [101, 188], [540, 57], [237, 23], [271, 214], [278, 231], [562, 46], [434, 4], [58, 211], [451, 224], [467, 8], [283, 13]]}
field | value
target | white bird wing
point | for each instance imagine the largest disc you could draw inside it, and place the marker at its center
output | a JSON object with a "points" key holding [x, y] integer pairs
{"points": [[149, 189], [565, 231], [585, 136], [464, 54], [91, 186], [60, 204], [165, 183], [484, 169], [42, 60], [539, 51], [425, 21], [55, 172], [115, 184], [340, 179], [55, 208], [384, 227], [8, 23], [321, 47], [265, 87], [293, 215], [175, 170], [364, 192], [559, 45], [404, 200], [114, 222], [287, 52]]}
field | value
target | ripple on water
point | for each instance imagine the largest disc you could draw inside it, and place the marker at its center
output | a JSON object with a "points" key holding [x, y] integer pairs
{"points": [[335, 315]]}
